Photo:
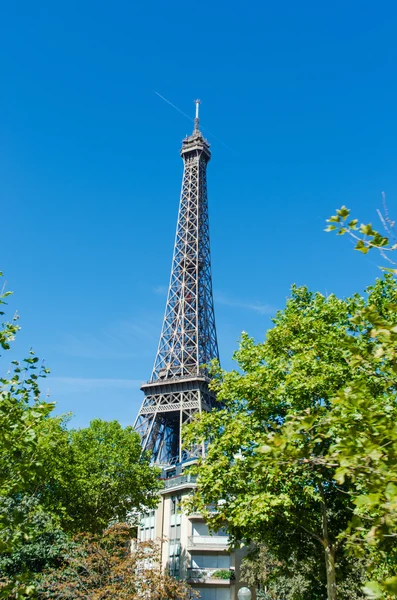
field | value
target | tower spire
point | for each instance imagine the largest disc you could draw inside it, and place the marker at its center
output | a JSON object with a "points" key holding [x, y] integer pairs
{"points": [[178, 387], [197, 120]]}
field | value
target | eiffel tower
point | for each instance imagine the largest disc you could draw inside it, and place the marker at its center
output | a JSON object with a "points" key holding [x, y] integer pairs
{"points": [[178, 387]]}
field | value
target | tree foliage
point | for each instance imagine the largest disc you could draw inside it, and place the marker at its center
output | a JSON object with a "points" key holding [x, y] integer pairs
{"points": [[369, 457], [95, 475], [274, 578], [35, 542], [22, 411], [106, 566], [367, 238], [272, 467], [55, 482], [296, 577]]}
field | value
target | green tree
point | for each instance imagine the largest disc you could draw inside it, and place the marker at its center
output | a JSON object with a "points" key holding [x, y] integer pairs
{"points": [[22, 413], [290, 579], [267, 468], [55, 481], [95, 475], [36, 543], [365, 449], [296, 577], [365, 236], [108, 566]]}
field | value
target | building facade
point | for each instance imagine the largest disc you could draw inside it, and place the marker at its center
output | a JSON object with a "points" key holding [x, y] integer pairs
{"points": [[189, 551], [179, 389]]}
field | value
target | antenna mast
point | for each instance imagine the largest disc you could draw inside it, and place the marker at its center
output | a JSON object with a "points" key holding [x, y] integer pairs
{"points": [[197, 120]]}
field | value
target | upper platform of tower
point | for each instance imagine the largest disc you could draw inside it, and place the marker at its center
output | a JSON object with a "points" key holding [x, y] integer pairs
{"points": [[196, 142]]}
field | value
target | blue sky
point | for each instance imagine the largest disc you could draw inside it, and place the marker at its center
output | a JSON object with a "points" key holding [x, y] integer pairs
{"points": [[299, 104]]}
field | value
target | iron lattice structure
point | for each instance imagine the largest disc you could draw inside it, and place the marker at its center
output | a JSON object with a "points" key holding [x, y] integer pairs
{"points": [[178, 387]]}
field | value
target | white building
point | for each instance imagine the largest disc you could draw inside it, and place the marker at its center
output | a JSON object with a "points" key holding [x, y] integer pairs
{"points": [[189, 551]]}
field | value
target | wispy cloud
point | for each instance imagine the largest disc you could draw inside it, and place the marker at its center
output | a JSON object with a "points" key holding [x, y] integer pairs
{"points": [[259, 307], [220, 298], [145, 330], [98, 346], [161, 290], [117, 340], [87, 383]]}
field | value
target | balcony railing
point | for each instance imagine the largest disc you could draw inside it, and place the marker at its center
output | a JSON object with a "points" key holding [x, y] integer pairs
{"points": [[179, 480], [201, 541], [210, 575], [196, 515]]}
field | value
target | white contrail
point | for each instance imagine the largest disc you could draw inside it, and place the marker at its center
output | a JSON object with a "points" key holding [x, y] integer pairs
{"points": [[190, 119], [173, 106]]}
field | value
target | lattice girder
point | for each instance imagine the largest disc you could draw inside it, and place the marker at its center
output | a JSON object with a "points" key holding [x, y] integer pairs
{"points": [[178, 388], [188, 340]]}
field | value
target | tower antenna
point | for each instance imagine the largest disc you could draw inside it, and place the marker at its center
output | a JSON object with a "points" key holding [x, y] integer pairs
{"points": [[197, 120]]}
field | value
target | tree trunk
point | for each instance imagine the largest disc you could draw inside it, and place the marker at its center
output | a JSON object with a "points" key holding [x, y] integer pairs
{"points": [[329, 550], [330, 567]]}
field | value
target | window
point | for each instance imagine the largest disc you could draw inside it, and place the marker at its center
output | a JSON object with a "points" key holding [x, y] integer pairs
{"points": [[174, 558], [218, 560], [175, 536], [176, 508], [200, 529], [146, 527]]}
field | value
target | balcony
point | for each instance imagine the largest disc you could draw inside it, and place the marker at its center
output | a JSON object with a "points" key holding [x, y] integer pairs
{"points": [[210, 576], [207, 542], [196, 516], [180, 481]]}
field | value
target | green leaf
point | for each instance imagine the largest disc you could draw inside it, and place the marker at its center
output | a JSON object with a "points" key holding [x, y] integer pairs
{"points": [[265, 449], [390, 584], [343, 212], [379, 240], [373, 590], [367, 229], [362, 247]]}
